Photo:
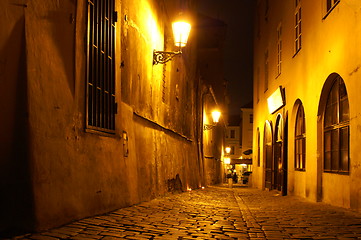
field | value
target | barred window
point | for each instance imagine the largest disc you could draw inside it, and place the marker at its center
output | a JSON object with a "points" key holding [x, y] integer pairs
{"points": [[101, 107], [300, 140], [337, 129]]}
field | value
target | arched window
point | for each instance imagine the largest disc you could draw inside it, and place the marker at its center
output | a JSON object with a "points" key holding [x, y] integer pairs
{"points": [[300, 140], [337, 129]]}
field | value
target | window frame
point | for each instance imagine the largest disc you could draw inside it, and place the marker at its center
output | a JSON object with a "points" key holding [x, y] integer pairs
{"points": [[232, 133], [300, 139], [329, 9], [100, 79], [279, 49], [333, 128], [298, 26]]}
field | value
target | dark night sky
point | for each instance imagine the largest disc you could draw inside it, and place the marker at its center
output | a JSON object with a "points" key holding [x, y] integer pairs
{"points": [[238, 15]]}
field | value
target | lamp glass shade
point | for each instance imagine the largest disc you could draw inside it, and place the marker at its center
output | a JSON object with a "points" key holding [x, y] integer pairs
{"points": [[216, 115], [228, 149], [181, 32]]}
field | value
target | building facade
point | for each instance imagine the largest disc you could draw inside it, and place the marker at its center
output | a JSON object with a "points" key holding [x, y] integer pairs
{"points": [[306, 93], [233, 141], [246, 132], [89, 123]]}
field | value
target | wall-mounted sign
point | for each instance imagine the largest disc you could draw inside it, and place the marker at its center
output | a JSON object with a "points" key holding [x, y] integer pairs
{"points": [[276, 100]]}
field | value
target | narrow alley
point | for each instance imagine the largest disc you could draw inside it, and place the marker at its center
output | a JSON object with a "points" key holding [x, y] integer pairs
{"points": [[216, 212]]}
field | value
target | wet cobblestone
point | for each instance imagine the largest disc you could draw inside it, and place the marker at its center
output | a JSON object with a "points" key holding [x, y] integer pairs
{"points": [[216, 213]]}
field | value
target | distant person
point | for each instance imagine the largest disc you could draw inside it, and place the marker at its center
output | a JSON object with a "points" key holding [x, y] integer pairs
{"points": [[235, 178]]}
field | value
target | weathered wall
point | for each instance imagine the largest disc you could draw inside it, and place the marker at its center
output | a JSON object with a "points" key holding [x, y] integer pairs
{"points": [[15, 187], [75, 173]]}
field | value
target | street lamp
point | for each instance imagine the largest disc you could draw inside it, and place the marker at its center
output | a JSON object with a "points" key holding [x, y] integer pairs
{"points": [[181, 30], [228, 150], [215, 117], [227, 160]]}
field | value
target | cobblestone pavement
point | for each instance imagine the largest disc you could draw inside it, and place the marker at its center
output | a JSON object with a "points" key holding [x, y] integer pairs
{"points": [[216, 213]]}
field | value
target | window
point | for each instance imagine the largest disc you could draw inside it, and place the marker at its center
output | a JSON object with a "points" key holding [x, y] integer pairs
{"points": [[232, 150], [101, 107], [300, 140], [266, 11], [233, 133], [337, 129], [251, 118], [330, 4], [279, 49], [298, 29], [266, 71]]}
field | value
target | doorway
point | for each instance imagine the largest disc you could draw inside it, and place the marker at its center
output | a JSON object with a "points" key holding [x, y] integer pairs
{"points": [[267, 156]]}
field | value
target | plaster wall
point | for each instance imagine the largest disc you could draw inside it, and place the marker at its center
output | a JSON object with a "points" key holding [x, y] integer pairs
{"points": [[328, 46], [67, 172]]}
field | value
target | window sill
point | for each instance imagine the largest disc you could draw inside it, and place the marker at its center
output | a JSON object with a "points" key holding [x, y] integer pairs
{"points": [[300, 169], [294, 55], [100, 132], [336, 172]]}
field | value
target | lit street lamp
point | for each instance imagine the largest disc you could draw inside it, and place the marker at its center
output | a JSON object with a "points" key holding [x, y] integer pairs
{"points": [[181, 32], [215, 117]]}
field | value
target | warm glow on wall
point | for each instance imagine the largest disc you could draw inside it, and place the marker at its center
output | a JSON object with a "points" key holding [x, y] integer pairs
{"points": [[181, 32], [227, 160]]}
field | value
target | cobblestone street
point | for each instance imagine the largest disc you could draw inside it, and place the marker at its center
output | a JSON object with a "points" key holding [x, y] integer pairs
{"points": [[216, 213]]}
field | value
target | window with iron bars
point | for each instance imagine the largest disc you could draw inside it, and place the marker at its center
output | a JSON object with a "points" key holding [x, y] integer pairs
{"points": [[101, 106]]}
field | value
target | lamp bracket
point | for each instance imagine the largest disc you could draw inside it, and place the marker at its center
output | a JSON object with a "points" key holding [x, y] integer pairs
{"points": [[161, 57], [208, 127]]}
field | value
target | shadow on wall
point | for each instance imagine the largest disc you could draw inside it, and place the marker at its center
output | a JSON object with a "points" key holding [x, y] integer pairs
{"points": [[16, 201]]}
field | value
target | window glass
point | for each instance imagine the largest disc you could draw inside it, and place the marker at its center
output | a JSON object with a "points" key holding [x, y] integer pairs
{"points": [[300, 140], [336, 129]]}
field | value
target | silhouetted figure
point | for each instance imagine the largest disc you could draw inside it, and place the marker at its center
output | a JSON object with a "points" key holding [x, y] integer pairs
{"points": [[235, 178]]}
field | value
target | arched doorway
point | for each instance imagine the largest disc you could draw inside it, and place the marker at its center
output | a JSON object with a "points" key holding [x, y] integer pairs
{"points": [[278, 155], [268, 155]]}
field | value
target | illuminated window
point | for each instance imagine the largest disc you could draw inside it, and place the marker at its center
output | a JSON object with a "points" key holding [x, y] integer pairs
{"points": [[101, 107], [300, 140], [337, 129], [298, 28], [330, 5], [279, 49]]}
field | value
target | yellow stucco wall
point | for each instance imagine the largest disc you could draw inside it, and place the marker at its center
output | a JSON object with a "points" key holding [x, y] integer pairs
{"points": [[329, 45]]}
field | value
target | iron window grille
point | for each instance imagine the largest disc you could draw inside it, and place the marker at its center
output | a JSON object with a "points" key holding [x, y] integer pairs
{"points": [[101, 106]]}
